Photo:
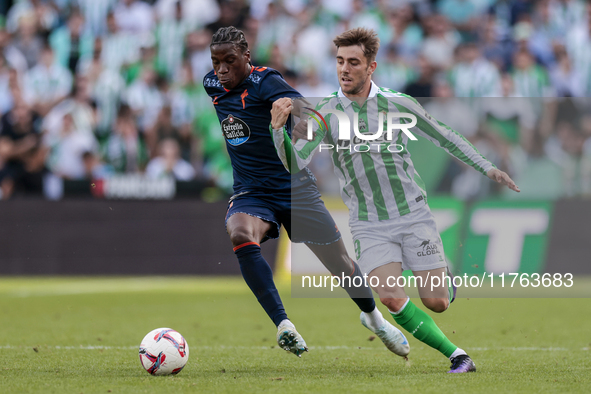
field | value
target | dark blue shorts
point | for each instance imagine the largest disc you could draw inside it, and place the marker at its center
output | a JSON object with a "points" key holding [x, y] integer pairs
{"points": [[301, 212]]}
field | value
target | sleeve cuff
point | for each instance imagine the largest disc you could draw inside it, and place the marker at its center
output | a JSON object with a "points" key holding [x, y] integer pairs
{"points": [[489, 166]]}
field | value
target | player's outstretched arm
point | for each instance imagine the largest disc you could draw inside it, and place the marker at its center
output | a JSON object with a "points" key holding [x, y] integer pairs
{"points": [[503, 178], [294, 156], [446, 138]]}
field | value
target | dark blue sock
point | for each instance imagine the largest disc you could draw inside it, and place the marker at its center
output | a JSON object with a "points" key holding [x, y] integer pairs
{"points": [[361, 295], [258, 276]]}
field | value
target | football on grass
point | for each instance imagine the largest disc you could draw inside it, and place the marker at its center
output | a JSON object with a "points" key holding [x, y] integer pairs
{"points": [[164, 351]]}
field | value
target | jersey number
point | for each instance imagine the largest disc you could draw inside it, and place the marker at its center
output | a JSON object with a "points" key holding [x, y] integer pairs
{"points": [[357, 245]]}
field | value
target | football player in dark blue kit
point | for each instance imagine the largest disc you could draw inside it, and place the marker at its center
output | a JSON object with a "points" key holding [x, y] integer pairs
{"points": [[267, 196]]}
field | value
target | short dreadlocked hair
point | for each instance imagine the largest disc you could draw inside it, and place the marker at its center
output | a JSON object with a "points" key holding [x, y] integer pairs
{"points": [[230, 35]]}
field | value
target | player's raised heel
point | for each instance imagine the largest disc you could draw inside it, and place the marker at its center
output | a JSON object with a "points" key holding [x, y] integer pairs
{"points": [[289, 339], [461, 364], [392, 337]]}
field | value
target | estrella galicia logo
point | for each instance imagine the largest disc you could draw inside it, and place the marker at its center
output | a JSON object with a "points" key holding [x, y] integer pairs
{"points": [[235, 130], [428, 248]]}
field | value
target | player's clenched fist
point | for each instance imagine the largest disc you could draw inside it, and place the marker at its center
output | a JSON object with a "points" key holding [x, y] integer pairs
{"points": [[280, 111]]}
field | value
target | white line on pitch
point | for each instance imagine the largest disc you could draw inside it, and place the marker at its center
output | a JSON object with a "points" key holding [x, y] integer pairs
{"points": [[92, 347]]}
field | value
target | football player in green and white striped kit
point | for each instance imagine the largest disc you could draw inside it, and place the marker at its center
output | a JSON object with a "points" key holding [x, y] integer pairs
{"points": [[391, 223]]}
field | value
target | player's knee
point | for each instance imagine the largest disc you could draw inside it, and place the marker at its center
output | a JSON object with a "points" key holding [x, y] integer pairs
{"points": [[241, 235], [393, 304], [437, 305]]}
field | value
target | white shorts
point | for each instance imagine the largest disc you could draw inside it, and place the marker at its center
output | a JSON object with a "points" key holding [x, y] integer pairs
{"points": [[412, 239]]}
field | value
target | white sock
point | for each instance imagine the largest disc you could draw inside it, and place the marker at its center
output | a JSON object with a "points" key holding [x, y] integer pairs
{"points": [[457, 352], [374, 318], [286, 322]]}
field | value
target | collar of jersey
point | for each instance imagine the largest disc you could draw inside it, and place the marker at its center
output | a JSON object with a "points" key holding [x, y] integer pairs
{"points": [[345, 102]]}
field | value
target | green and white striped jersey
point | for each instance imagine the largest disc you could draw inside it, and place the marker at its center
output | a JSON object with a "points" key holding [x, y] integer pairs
{"points": [[477, 79], [377, 178], [170, 36], [107, 92], [533, 82], [119, 49], [95, 14], [578, 46], [43, 85]]}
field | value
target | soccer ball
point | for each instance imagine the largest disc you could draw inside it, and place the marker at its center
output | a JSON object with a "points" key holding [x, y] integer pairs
{"points": [[163, 352]]}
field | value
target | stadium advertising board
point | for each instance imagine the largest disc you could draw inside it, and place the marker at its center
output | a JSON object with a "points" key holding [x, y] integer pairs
{"points": [[488, 242], [503, 237]]}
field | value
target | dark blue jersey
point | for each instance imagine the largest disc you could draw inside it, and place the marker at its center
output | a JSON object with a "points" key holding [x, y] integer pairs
{"points": [[245, 114]]}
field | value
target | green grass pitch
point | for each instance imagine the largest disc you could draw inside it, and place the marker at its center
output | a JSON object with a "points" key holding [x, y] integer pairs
{"points": [[80, 335]]}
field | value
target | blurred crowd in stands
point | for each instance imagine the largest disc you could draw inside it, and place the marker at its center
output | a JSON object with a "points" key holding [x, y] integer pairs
{"points": [[94, 88]]}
